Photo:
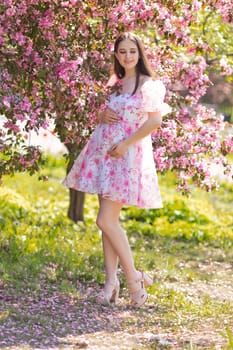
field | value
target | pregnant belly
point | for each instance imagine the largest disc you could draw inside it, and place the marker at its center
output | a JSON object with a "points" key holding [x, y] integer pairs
{"points": [[105, 136]]}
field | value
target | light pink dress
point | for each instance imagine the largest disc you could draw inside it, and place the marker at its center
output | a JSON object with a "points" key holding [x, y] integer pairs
{"points": [[131, 179]]}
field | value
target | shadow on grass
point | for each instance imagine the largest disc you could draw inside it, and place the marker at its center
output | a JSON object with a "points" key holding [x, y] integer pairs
{"points": [[40, 308], [40, 318], [46, 317]]}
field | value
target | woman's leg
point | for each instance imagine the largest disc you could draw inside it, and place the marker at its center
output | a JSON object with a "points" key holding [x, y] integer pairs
{"points": [[116, 239], [110, 258]]}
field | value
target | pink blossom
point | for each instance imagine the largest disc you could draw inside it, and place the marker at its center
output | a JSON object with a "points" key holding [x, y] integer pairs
{"points": [[20, 38], [6, 101], [11, 126], [8, 2], [226, 69], [20, 116], [10, 11], [63, 32], [62, 68], [29, 49], [25, 105], [45, 22]]}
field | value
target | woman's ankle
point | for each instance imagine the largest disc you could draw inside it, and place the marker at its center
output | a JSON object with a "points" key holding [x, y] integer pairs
{"points": [[111, 279], [132, 277]]}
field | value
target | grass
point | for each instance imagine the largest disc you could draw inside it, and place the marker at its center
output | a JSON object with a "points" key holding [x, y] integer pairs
{"points": [[51, 268]]}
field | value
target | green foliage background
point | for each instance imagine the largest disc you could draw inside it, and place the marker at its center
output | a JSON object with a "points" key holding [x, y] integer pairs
{"points": [[35, 230], [186, 247]]}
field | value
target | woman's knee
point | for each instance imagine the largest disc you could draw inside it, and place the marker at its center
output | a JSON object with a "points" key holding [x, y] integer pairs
{"points": [[108, 216], [103, 223], [100, 222]]}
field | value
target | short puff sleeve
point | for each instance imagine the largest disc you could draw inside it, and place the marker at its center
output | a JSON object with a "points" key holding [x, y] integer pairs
{"points": [[153, 93]]}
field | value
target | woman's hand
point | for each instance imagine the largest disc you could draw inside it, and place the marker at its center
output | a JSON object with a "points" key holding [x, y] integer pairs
{"points": [[118, 150], [108, 116]]}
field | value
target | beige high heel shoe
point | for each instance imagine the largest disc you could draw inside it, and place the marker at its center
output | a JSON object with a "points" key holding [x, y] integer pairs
{"points": [[148, 281], [138, 293], [109, 294]]}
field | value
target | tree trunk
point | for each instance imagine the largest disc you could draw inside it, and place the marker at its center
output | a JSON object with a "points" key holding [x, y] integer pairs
{"points": [[76, 206]]}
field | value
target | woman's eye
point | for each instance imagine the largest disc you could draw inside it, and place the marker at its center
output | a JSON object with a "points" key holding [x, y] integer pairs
{"points": [[124, 52]]}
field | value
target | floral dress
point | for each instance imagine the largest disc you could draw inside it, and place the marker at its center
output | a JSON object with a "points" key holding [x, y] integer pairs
{"points": [[131, 179]]}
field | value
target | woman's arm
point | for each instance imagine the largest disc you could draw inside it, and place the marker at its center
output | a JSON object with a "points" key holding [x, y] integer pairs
{"points": [[153, 122]]}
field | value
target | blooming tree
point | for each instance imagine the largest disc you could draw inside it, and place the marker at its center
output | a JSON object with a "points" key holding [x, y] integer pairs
{"points": [[55, 58]]}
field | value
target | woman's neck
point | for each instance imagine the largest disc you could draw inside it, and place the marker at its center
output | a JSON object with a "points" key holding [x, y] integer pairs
{"points": [[130, 73]]}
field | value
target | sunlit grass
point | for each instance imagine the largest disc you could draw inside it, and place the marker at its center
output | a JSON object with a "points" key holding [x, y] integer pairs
{"points": [[186, 247]]}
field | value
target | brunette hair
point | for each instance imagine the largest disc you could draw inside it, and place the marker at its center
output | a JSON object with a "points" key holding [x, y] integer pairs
{"points": [[143, 65]]}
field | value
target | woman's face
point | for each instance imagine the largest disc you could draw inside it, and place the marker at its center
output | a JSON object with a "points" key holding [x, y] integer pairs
{"points": [[127, 54]]}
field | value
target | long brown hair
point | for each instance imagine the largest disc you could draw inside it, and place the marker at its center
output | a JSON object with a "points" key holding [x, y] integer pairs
{"points": [[143, 65]]}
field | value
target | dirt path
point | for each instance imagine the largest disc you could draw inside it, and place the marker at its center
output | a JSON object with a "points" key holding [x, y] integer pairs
{"points": [[43, 317]]}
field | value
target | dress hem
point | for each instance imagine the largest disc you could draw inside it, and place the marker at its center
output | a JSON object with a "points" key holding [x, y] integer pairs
{"points": [[108, 196]]}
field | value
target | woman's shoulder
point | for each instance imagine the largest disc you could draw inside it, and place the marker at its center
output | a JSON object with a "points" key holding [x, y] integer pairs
{"points": [[148, 83], [144, 78]]}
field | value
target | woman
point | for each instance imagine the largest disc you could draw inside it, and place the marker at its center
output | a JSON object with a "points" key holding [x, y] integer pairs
{"points": [[117, 163]]}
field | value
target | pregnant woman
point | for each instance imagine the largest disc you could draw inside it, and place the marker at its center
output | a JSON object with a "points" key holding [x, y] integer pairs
{"points": [[117, 162]]}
